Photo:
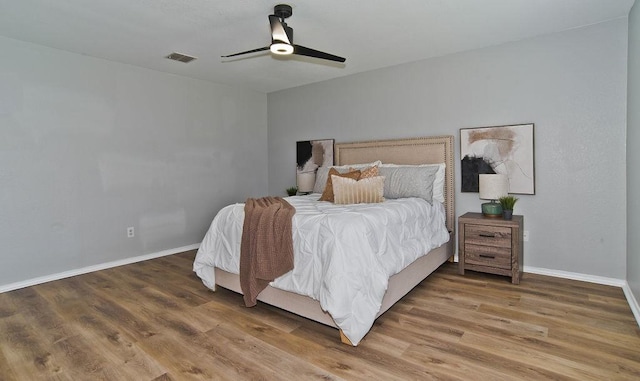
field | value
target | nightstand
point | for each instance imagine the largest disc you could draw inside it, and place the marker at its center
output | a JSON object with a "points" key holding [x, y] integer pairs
{"points": [[490, 245]]}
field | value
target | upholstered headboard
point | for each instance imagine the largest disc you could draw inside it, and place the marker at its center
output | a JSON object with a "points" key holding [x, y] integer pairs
{"points": [[427, 150]]}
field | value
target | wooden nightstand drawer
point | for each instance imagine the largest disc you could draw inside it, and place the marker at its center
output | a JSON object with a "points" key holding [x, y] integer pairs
{"points": [[492, 256], [494, 236]]}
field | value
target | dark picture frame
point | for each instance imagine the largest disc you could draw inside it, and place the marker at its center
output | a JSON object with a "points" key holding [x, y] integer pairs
{"points": [[313, 154], [499, 149]]}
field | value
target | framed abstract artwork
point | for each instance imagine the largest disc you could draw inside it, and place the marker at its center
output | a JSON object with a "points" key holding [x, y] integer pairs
{"points": [[501, 149], [311, 155]]}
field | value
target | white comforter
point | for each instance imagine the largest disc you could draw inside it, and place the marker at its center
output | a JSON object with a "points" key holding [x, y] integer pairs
{"points": [[343, 254]]}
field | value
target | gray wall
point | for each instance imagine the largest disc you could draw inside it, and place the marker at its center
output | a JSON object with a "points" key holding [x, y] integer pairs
{"points": [[572, 85], [89, 147], [633, 154]]}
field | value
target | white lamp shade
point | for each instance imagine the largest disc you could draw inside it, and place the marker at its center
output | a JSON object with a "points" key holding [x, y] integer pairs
{"points": [[306, 181], [493, 186]]}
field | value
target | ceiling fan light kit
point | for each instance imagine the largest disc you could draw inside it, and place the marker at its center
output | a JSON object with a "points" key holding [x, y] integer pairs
{"points": [[282, 38], [281, 48]]}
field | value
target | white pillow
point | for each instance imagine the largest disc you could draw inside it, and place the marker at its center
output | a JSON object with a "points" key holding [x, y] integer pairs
{"points": [[438, 183], [323, 173], [350, 191]]}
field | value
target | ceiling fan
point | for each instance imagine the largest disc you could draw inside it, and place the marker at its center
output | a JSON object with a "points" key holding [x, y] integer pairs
{"points": [[282, 38]]}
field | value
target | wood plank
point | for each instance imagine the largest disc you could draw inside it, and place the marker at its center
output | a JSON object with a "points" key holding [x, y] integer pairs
{"points": [[554, 362], [72, 302], [29, 355], [184, 362]]}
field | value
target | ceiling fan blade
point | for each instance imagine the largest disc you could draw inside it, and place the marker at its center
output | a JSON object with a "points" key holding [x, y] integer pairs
{"points": [[247, 52], [304, 51], [279, 30]]}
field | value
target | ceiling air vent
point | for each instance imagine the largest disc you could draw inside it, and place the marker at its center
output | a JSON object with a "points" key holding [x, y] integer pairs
{"points": [[180, 57]]}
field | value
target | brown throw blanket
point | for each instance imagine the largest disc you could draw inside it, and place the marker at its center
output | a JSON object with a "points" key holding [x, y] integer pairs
{"points": [[266, 250]]}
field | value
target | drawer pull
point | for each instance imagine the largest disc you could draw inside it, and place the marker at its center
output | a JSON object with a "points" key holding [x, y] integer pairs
{"points": [[487, 235], [487, 256]]}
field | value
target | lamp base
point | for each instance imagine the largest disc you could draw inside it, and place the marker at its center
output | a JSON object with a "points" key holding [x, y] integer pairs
{"points": [[491, 209]]}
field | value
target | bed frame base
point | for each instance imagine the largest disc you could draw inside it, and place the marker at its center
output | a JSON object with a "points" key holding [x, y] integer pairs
{"points": [[345, 340]]}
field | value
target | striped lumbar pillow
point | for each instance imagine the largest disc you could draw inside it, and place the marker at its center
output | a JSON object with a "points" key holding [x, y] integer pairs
{"points": [[350, 191]]}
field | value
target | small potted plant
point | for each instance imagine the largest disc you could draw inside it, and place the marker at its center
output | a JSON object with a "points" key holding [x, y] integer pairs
{"points": [[507, 203], [291, 191]]}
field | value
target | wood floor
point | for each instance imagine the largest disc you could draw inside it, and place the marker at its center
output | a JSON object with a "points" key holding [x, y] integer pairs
{"points": [[155, 320]]}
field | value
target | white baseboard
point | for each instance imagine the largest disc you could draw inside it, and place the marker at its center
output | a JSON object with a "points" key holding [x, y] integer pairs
{"points": [[88, 269], [575, 276], [633, 303]]}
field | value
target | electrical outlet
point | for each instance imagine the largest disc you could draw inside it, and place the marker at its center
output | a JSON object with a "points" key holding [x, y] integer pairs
{"points": [[131, 232], [525, 236]]}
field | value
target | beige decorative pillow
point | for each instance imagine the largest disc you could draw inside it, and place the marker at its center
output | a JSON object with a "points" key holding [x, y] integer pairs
{"points": [[322, 175], [327, 195], [368, 172], [350, 191]]}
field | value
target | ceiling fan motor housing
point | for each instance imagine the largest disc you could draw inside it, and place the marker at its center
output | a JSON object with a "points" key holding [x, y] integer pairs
{"points": [[283, 11]]}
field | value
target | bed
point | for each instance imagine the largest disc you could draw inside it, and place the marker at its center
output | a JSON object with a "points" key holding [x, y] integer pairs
{"points": [[353, 325]]}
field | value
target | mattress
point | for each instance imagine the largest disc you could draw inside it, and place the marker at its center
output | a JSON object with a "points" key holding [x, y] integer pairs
{"points": [[343, 254]]}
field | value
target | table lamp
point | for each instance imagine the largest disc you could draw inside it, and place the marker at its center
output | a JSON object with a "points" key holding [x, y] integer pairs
{"points": [[306, 181], [492, 187]]}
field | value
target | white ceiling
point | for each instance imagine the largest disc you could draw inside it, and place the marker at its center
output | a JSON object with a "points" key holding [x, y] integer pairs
{"points": [[371, 34]]}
